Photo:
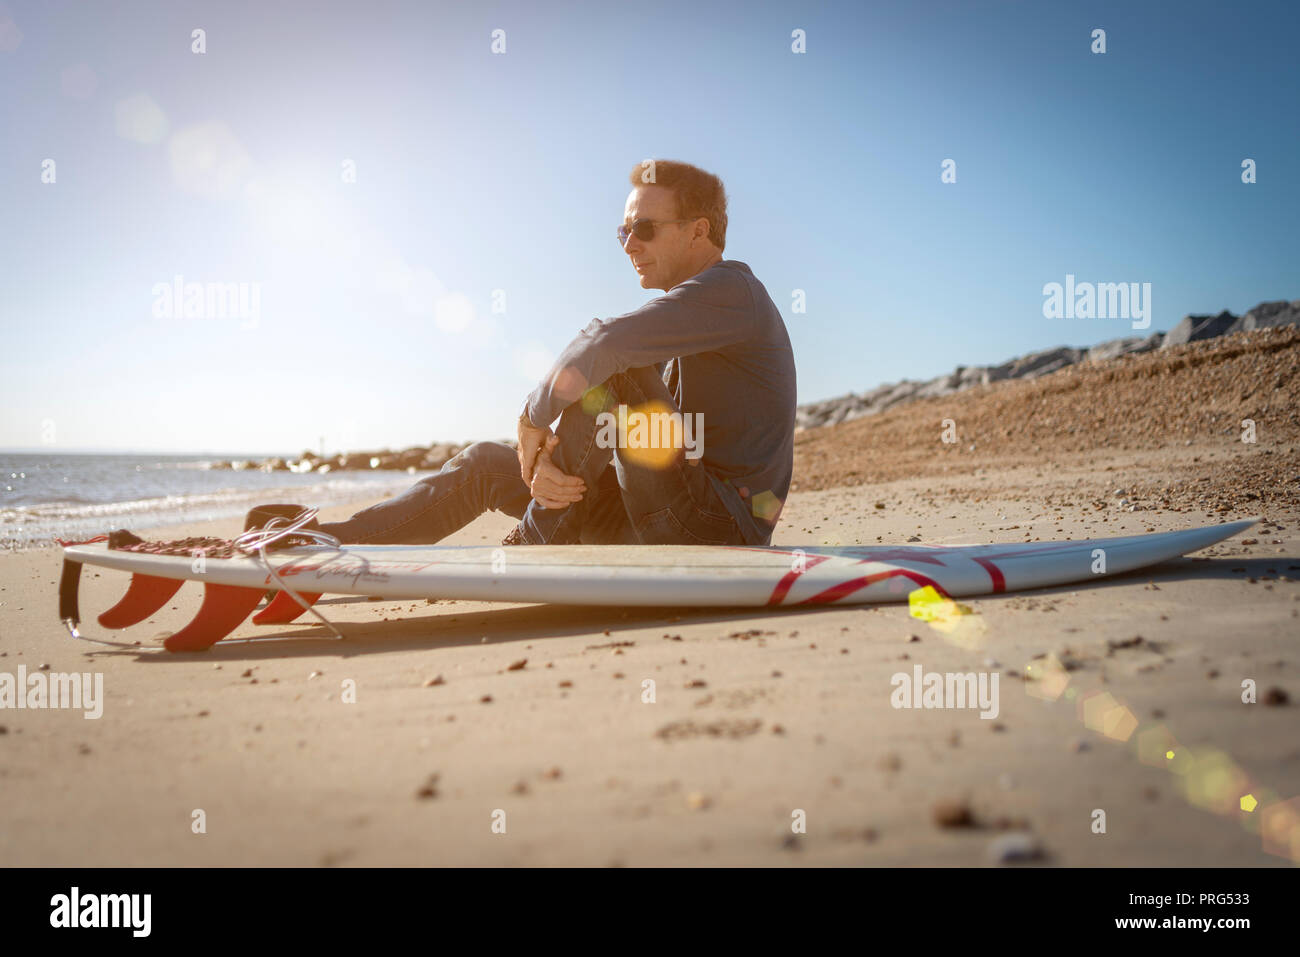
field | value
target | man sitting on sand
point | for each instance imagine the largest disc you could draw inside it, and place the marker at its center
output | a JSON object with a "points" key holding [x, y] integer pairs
{"points": [[713, 349]]}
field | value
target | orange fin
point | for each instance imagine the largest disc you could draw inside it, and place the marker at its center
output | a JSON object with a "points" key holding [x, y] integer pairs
{"points": [[144, 596], [283, 609], [223, 608]]}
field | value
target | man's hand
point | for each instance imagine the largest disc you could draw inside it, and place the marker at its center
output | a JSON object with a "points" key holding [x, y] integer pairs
{"points": [[531, 440], [551, 487]]}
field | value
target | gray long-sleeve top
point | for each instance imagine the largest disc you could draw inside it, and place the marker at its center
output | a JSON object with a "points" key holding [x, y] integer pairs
{"points": [[723, 350]]}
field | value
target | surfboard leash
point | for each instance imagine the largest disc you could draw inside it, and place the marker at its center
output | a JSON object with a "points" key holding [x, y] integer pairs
{"points": [[255, 541]]}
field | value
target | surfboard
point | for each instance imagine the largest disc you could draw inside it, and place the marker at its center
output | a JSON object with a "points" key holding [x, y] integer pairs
{"points": [[617, 575]]}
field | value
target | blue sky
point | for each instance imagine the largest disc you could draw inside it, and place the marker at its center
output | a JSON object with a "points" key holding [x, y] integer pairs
{"points": [[478, 172]]}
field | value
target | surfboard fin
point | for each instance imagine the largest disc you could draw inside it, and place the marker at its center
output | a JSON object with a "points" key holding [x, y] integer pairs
{"points": [[223, 608], [144, 596], [283, 609]]}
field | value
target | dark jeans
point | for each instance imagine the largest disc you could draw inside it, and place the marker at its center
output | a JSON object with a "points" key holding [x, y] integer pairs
{"points": [[625, 503]]}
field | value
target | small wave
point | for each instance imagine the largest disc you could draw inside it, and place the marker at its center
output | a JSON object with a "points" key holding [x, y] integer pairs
{"points": [[38, 525]]}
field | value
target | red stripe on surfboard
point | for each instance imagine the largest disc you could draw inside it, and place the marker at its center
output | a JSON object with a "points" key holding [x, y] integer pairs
{"points": [[836, 592], [89, 541], [788, 579], [995, 573]]}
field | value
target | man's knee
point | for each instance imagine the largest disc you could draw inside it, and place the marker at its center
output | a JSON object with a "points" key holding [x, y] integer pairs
{"points": [[484, 457]]}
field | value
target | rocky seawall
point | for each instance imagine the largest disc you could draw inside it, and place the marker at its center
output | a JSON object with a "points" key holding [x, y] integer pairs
{"points": [[1037, 364], [417, 458]]}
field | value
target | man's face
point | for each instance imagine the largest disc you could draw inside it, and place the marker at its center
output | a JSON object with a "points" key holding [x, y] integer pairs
{"points": [[664, 261]]}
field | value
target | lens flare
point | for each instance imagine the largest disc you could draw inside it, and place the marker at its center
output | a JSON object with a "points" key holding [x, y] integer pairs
{"points": [[650, 435]]}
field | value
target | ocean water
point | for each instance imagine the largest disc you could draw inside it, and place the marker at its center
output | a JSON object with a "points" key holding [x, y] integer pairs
{"points": [[77, 496]]}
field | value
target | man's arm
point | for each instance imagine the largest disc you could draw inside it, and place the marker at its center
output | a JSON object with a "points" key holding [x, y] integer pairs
{"points": [[695, 316]]}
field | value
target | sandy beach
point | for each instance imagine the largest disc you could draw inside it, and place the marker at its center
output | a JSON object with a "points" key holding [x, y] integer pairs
{"points": [[759, 716]]}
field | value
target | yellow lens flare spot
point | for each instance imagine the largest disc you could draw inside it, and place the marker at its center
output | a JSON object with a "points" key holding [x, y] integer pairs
{"points": [[596, 400], [651, 435], [927, 604], [1214, 782], [766, 505], [959, 624], [1169, 755], [1248, 803], [1154, 744], [1261, 796], [1046, 678]]}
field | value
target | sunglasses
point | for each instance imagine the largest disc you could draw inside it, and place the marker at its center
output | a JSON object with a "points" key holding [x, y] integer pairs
{"points": [[644, 229]]}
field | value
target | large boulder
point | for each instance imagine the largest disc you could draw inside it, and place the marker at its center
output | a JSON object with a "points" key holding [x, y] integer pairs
{"points": [[1153, 341], [1195, 328], [940, 385], [1113, 348], [1269, 315], [1042, 363]]}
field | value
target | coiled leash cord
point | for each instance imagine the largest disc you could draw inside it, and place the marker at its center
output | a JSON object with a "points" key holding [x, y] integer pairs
{"points": [[255, 541]]}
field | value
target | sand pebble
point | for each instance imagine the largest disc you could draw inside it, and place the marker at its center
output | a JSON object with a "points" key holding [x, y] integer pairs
{"points": [[1276, 696], [430, 787], [517, 665], [486, 699], [431, 682], [1014, 847], [951, 813], [697, 801]]}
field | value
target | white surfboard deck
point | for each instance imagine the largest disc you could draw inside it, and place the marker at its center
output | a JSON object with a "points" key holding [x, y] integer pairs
{"points": [[676, 575]]}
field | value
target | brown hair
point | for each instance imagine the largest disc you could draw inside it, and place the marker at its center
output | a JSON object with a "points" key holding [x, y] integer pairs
{"points": [[699, 193]]}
